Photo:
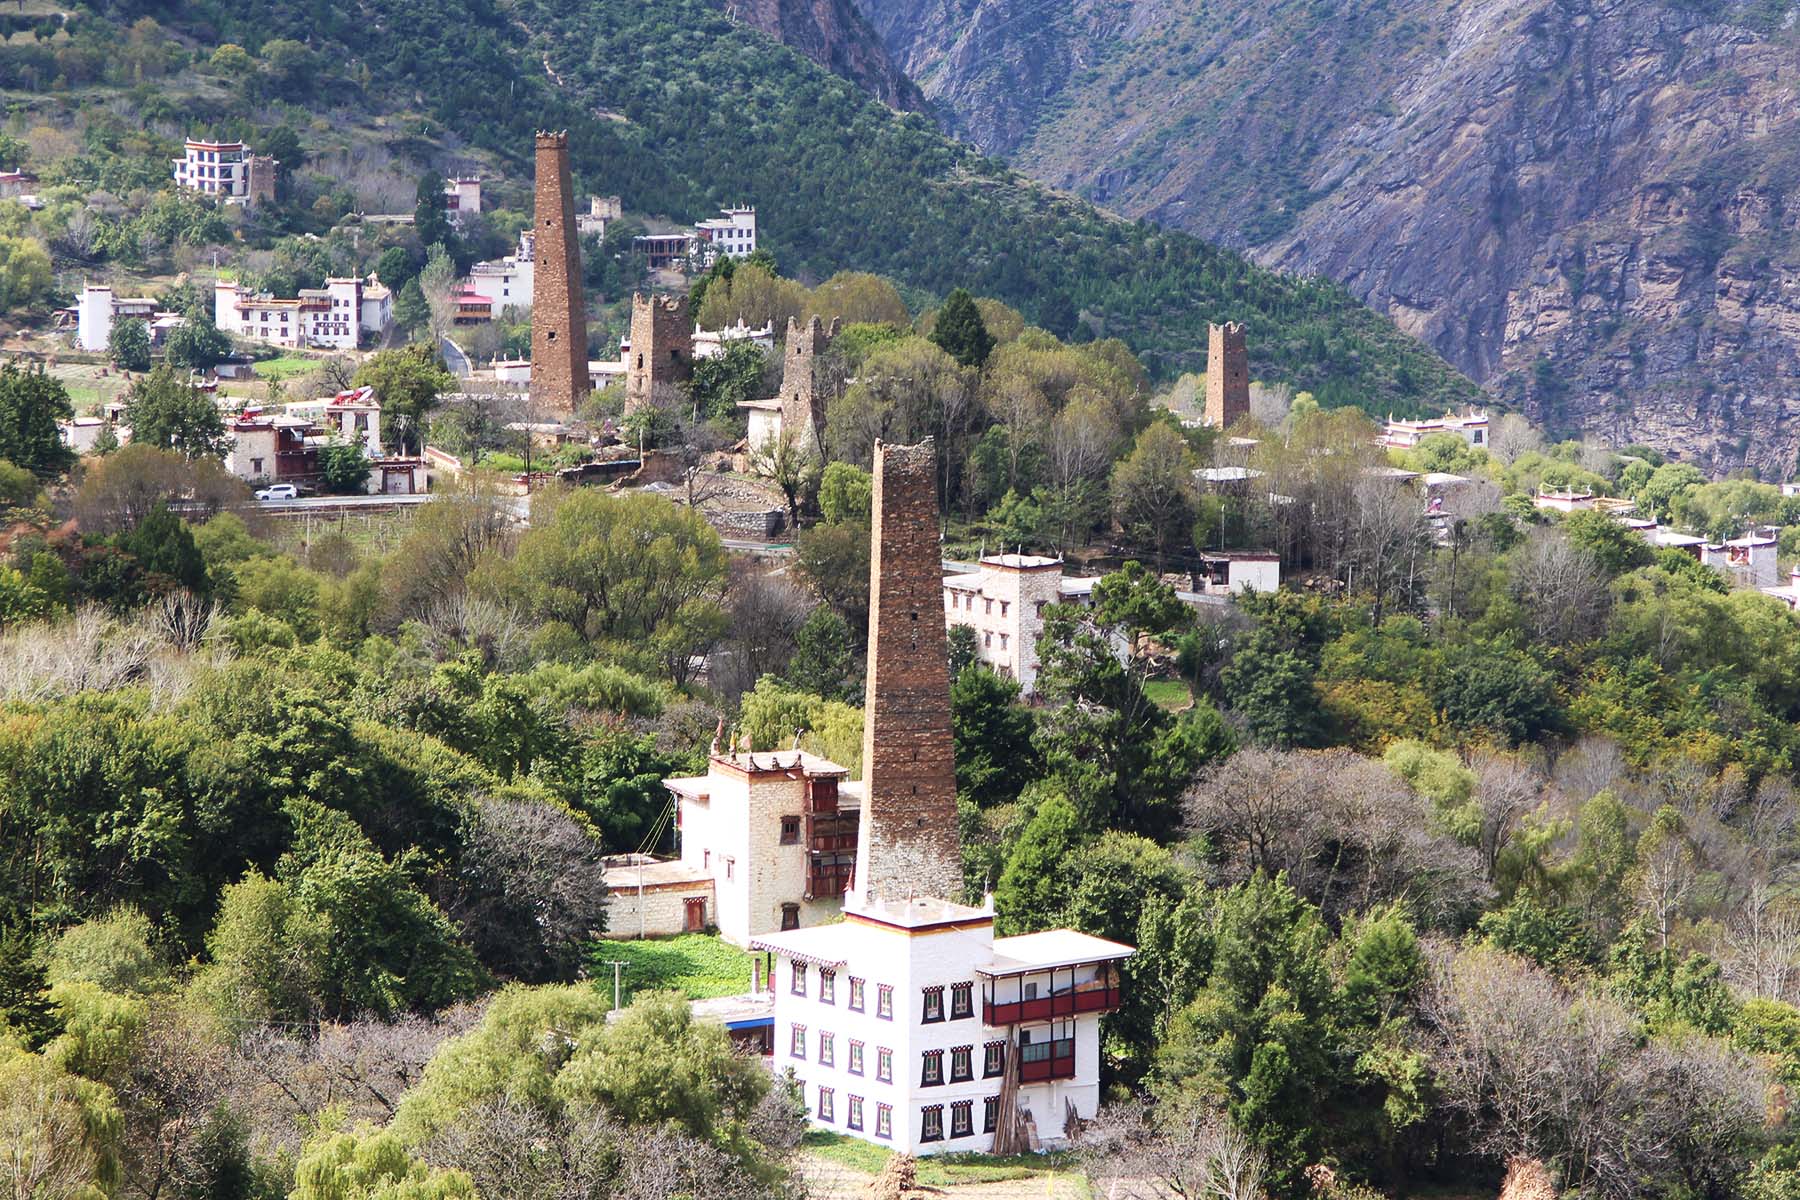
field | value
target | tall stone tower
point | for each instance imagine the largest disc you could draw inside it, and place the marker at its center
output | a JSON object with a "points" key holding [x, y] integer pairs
{"points": [[803, 393], [662, 349], [559, 370], [908, 845], [1227, 376]]}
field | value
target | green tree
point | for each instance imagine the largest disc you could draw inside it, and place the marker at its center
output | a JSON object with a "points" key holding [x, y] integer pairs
{"points": [[411, 312], [845, 494], [197, 343], [834, 559], [408, 382], [62, 1133], [369, 1165], [723, 380], [31, 403], [25, 1008], [1273, 689], [1153, 491], [1033, 888], [164, 409], [395, 268], [116, 951], [267, 954], [960, 332], [1615, 548], [128, 345], [344, 468], [824, 655], [25, 274], [431, 225], [992, 731], [163, 545], [631, 570]]}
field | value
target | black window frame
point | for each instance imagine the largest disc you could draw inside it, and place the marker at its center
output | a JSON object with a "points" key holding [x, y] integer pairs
{"points": [[993, 1060], [930, 1114], [790, 831], [962, 1118], [962, 1001], [990, 1113], [931, 1062], [965, 1055], [931, 999]]}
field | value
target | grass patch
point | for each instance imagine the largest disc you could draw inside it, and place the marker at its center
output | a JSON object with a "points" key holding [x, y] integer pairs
{"points": [[694, 964], [936, 1170], [285, 367], [1169, 693]]}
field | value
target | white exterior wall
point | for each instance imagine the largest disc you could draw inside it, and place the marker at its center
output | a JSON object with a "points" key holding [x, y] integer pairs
{"points": [[225, 312], [911, 962], [251, 455], [94, 318], [214, 169], [377, 310], [765, 427], [1001, 604], [507, 282]]}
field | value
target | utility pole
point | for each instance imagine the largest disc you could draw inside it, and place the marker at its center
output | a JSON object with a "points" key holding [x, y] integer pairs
{"points": [[617, 965]]}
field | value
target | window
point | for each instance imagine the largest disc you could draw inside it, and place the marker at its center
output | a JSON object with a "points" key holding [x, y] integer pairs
{"points": [[962, 1001], [961, 1068], [825, 1104], [884, 1064], [987, 639], [853, 1113], [790, 918], [987, 606], [993, 1062], [933, 1072], [884, 1120], [931, 1125], [706, 859], [790, 830], [990, 1113], [1004, 606], [797, 983], [730, 868], [827, 1049], [827, 979], [797, 1041], [856, 994], [934, 1004], [962, 1118], [884, 1001], [1003, 640], [856, 1057]]}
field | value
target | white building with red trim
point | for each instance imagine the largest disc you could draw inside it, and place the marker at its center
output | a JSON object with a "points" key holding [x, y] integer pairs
{"points": [[1470, 426], [333, 317], [226, 171], [909, 1024]]}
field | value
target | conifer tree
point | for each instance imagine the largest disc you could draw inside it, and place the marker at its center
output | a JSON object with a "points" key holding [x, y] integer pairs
{"points": [[960, 331]]}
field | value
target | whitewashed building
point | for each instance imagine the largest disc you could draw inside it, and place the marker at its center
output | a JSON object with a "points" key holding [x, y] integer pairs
{"points": [[333, 317], [911, 1025], [226, 171], [1003, 601], [462, 197], [99, 310], [506, 282], [731, 233], [1470, 426], [768, 842]]}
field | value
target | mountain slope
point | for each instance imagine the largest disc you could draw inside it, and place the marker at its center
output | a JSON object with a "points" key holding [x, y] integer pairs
{"points": [[1579, 202], [834, 34]]}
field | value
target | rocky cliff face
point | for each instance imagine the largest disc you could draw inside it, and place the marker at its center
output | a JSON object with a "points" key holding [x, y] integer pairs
{"points": [[1582, 203], [834, 34]]}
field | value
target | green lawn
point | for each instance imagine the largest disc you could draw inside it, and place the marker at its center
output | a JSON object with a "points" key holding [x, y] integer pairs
{"points": [[1170, 693], [698, 966], [937, 1170], [285, 367]]}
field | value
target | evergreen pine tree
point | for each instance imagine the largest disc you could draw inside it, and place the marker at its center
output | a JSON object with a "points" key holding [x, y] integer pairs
{"points": [[24, 1000], [960, 331]]}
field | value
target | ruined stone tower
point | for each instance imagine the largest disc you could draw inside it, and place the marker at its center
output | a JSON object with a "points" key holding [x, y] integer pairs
{"points": [[559, 370], [662, 349], [908, 845], [804, 393], [1227, 376]]}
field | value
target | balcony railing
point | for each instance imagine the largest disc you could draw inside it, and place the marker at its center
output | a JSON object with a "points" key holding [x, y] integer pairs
{"points": [[1055, 1060], [1098, 996]]}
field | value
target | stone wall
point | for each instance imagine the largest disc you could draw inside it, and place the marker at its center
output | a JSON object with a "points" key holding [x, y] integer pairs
{"points": [[662, 350], [1227, 376], [804, 391], [908, 844], [559, 374]]}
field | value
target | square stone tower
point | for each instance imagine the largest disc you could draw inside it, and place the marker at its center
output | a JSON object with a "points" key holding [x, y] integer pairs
{"points": [[1227, 376], [559, 370], [662, 350], [909, 844], [803, 393]]}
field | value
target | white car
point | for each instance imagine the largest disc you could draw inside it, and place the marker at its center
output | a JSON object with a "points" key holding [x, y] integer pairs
{"points": [[278, 491]]}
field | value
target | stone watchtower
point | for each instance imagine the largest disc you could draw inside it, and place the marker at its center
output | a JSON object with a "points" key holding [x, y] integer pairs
{"points": [[662, 349], [1227, 376], [804, 392], [559, 364], [908, 844]]}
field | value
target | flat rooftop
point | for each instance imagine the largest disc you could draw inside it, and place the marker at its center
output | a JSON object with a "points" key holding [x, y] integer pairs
{"points": [[653, 876], [1050, 949]]}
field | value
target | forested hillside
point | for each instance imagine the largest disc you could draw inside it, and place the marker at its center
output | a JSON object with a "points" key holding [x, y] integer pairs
{"points": [[714, 112]]}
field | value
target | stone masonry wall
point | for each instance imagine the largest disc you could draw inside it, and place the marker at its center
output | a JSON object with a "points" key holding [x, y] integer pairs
{"points": [[908, 844], [662, 350], [803, 399], [1227, 376], [559, 372]]}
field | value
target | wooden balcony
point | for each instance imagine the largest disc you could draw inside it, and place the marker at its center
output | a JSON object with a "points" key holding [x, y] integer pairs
{"points": [[1056, 1061], [1101, 995]]}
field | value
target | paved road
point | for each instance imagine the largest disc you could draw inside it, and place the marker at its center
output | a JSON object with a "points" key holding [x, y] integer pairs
{"points": [[456, 360]]}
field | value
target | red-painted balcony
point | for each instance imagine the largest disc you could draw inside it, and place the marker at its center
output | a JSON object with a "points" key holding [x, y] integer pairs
{"points": [[1039, 1061], [1098, 995]]}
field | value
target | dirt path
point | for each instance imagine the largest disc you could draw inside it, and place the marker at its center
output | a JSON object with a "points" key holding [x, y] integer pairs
{"points": [[826, 1180]]}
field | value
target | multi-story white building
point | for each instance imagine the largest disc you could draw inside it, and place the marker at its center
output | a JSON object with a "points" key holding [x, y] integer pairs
{"points": [[601, 211], [910, 1024], [731, 233], [226, 171], [462, 197], [506, 282], [333, 317], [1003, 601], [768, 842], [99, 310]]}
